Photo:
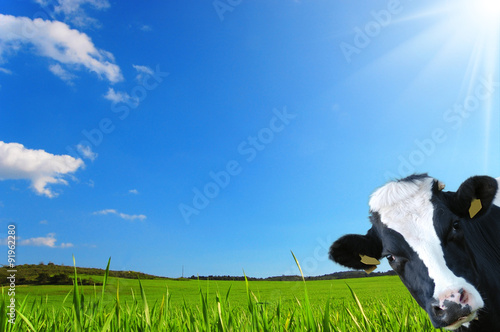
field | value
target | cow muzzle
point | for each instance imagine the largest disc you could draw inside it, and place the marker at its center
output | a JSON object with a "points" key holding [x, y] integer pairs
{"points": [[455, 309]]}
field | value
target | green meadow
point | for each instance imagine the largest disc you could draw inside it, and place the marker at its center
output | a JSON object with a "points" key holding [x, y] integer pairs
{"points": [[363, 304]]}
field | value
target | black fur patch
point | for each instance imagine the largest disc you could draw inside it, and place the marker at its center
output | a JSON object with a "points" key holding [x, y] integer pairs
{"points": [[347, 249]]}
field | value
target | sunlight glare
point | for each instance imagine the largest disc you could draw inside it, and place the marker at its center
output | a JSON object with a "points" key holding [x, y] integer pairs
{"points": [[472, 31], [483, 14]]}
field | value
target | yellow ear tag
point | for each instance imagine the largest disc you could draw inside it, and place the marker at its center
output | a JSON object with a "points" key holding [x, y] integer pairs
{"points": [[370, 269], [475, 207], [369, 260]]}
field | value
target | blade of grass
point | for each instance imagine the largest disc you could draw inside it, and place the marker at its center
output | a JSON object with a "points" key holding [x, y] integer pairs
{"points": [[146, 307], [326, 317], [204, 309], [76, 300], [354, 320], [26, 320], [366, 320], [105, 281], [117, 306], [220, 322], [310, 317], [107, 324]]}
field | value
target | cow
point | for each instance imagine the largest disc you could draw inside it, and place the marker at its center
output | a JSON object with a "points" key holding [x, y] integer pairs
{"points": [[445, 247]]}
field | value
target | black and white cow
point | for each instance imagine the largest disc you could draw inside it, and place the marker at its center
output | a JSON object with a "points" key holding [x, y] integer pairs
{"points": [[445, 247]]}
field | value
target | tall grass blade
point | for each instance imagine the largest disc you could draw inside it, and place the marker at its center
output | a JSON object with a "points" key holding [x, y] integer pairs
{"points": [[107, 324], [66, 297], [354, 320], [220, 322], [326, 317], [146, 307], [360, 307], [117, 306], [298, 265], [105, 280], [227, 294], [76, 301], [204, 309], [247, 287], [27, 321], [311, 322]]}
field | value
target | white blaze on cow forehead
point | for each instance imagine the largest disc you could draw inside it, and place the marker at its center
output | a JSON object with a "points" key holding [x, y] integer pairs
{"points": [[394, 193], [406, 208]]}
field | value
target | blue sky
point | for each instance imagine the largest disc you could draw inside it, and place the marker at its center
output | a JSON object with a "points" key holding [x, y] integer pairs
{"points": [[217, 136]]}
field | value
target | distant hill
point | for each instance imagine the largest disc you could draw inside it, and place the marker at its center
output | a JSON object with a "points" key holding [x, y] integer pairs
{"points": [[52, 274]]}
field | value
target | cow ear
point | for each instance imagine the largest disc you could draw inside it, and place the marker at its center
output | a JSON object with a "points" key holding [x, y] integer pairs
{"points": [[474, 197], [360, 252]]}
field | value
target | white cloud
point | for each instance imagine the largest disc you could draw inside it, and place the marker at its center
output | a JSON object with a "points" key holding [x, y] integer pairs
{"points": [[62, 73], [43, 241], [117, 97], [47, 241], [40, 167], [133, 217], [74, 10], [133, 191], [43, 222], [57, 41], [106, 211], [5, 71], [86, 151], [146, 28], [142, 71], [121, 97], [74, 6]]}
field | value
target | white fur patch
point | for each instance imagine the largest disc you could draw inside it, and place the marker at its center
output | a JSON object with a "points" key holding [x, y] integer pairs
{"points": [[393, 193], [406, 208]]}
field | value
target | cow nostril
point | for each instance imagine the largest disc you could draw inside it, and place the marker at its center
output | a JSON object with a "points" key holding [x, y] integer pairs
{"points": [[464, 297], [437, 311]]}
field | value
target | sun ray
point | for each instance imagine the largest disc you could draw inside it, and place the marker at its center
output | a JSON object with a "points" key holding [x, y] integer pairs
{"points": [[477, 26], [469, 33]]}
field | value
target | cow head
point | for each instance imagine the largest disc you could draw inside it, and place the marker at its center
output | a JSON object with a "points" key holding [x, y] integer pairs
{"points": [[420, 229]]}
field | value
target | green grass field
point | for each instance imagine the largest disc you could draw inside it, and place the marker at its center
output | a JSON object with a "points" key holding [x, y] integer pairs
{"points": [[365, 304]]}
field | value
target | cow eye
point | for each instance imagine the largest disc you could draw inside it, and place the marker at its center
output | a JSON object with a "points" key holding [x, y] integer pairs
{"points": [[456, 233], [397, 263]]}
